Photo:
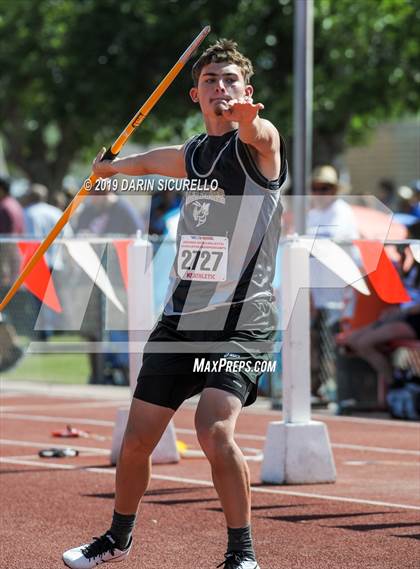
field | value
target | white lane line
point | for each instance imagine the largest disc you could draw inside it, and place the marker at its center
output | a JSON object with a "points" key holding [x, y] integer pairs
{"points": [[36, 456], [37, 444], [23, 457], [291, 493], [363, 448], [208, 483], [274, 415], [5, 395], [50, 419], [254, 410], [252, 449], [335, 445], [277, 416], [377, 449], [256, 456], [237, 435], [381, 462], [81, 405], [362, 420], [337, 498], [81, 421], [37, 463]]}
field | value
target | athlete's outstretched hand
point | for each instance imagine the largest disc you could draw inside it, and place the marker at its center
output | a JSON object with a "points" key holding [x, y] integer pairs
{"points": [[104, 168], [242, 110]]}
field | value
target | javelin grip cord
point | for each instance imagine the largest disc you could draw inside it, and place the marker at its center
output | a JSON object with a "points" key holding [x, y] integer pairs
{"points": [[109, 155]]}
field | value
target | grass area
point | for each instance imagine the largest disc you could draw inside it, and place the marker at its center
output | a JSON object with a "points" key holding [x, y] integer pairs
{"points": [[51, 368]]}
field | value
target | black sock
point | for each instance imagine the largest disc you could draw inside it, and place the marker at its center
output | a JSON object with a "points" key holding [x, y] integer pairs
{"points": [[121, 528], [240, 540]]}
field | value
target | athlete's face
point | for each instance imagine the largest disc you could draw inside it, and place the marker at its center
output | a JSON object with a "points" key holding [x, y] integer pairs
{"points": [[217, 84]]}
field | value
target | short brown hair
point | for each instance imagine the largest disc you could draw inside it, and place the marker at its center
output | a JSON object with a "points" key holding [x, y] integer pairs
{"points": [[223, 51]]}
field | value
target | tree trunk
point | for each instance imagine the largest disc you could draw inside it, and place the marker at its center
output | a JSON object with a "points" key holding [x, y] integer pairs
{"points": [[327, 148], [36, 166]]}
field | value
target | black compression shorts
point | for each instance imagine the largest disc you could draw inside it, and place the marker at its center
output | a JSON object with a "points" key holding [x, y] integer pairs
{"points": [[178, 364]]}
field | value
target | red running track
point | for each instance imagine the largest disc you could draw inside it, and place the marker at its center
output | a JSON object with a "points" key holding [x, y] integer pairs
{"points": [[370, 518]]}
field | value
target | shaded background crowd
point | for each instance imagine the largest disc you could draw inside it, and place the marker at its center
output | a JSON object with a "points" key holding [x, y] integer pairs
{"points": [[58, 105]]}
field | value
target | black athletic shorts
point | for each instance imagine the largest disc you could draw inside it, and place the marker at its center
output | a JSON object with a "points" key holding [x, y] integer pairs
{"points": [[179, 363]]}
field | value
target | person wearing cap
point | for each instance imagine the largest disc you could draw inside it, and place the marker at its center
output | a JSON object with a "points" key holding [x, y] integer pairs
{"points": [[329, 217]]}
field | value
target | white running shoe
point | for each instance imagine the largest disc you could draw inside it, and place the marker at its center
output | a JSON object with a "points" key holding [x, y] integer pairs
{"points": [[238, 561], [101, 550]]}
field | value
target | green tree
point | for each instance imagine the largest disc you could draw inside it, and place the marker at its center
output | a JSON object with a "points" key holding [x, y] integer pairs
{"points": [[366, 64], [73, 72], [367, 68]]}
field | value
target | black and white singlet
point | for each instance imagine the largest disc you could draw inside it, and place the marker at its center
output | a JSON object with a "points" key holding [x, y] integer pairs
{"points": [[227, 237]]}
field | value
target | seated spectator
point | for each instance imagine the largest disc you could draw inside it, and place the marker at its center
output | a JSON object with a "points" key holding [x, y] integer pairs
{"points": [[410, 269], [370, 341]]}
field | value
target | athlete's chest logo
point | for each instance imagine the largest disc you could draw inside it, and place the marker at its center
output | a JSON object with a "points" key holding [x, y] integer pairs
{"points": [[200, 212]]}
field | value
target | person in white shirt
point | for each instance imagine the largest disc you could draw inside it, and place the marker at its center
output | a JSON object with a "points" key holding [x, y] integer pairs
{"points": [[329, 217], [40, 218]]}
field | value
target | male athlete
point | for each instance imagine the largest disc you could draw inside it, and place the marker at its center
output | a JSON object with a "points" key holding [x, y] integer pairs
{"points": [[219, 305]]}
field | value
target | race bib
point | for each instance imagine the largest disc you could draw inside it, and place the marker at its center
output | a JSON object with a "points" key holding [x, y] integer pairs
{"points": [[203, 258]]}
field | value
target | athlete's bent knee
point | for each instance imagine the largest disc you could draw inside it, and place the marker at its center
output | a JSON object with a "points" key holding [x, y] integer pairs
{"points": [[215, 440], [134, 444]]}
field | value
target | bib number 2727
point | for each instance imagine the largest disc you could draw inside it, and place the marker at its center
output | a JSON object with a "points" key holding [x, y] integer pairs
{"points": [[203, 258]]}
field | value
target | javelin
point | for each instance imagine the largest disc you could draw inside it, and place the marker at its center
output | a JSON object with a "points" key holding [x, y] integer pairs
{"points": [[110, 154]]}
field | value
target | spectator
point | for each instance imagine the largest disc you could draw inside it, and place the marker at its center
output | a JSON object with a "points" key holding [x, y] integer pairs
{"points": [[104, 215], [368, 342], [387, 192], [162, 204], [332, 217], [11, 213], [415, 203], [60, 200], [404, 202], [40, 218], [410, 269], [109, 214], [11, 223]]}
